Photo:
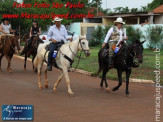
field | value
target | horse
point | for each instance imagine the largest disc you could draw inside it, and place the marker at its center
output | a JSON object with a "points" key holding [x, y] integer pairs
{"points": [[32, 50], [64, 60], [8, 44], [123, 62]]}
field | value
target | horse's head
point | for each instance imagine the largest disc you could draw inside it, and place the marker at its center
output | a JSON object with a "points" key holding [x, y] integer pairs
{"points": [[35, 42], [138, 50], [84, 45], [17, 42]]}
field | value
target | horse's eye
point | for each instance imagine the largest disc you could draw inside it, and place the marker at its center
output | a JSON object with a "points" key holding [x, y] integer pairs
{"points": [[83, 43]]}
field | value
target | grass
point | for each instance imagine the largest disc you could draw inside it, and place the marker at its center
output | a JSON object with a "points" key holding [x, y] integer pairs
{"points": [[145, 71]]}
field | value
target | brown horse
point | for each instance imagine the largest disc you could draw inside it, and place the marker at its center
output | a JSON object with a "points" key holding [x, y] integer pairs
{"points": [[32, 51], [7, 48]]}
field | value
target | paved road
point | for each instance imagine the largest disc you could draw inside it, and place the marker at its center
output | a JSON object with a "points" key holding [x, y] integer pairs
{"points": [[88, 104]]}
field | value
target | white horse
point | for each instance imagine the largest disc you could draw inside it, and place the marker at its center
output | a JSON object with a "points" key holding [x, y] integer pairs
{"points": [[69, 50]]}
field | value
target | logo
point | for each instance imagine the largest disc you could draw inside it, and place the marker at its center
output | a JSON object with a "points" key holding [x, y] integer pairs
{"points": [[17, 112]]}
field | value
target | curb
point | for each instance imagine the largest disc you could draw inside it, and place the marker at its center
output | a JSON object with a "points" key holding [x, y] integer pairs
{"points": [[90, 73]]}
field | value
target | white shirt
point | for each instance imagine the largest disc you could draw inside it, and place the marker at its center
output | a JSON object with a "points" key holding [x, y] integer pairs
{"points": [[57, 34], [111, 31], [6, 28]]}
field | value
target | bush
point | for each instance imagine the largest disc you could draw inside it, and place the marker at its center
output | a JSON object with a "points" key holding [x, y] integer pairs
{"points": [[133, 34], [97, 36], [155, 36]]}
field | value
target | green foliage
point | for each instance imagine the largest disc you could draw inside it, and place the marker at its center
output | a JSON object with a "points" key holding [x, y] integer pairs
{"points": [[154, 4], [6, 7], [155, 36], [97, 36], [133, 34]]}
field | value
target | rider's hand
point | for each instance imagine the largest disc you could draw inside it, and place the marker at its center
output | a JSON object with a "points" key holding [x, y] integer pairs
{"points": [[103, 45], [126, 38], [70, 39], [54, 41]]}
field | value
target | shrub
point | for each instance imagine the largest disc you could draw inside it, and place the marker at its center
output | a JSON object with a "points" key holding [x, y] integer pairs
{"points": [[155, 36], [97, 36], [133, 34]]}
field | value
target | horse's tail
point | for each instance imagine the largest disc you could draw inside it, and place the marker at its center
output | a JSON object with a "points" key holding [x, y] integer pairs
{"points": [[100, 62]]}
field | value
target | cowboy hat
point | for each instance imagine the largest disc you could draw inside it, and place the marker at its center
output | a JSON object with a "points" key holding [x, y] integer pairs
{"points": [[119, 20], [5, 19], [57, 19]]}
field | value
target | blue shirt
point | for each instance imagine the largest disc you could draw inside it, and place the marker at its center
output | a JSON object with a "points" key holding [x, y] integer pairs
{"points": [[57, 34]]}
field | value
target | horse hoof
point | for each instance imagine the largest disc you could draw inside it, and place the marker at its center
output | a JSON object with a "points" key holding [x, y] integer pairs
{"points": [[25, 69], [41, 88], [54, 90], [46, 86], [101, 88], [9, 70], [107, 90], [129, 95], [114, 89], [70, 93]]}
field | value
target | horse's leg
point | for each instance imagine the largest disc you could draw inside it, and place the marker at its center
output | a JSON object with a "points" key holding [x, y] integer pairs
{"points": [[65, 73], [9, 63], [33, 57], [57, 82], [39, 67], [25, 61], [46, 79], [1, 60], [128, 72], [120, 80]]}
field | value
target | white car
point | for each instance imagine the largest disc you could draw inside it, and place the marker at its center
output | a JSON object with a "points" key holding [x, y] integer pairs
{"points": [[45, 39]]}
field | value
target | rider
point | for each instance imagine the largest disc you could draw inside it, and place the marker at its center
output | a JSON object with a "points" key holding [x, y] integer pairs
{"points": [[34, 31], [116, 34], [5, 27], [57, 33]]}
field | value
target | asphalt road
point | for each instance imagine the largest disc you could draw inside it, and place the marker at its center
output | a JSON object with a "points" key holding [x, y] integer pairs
{"points": [[88, 104]]}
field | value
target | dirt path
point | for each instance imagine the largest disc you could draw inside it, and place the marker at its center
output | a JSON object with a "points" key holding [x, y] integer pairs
{"points": [[89, 104]]}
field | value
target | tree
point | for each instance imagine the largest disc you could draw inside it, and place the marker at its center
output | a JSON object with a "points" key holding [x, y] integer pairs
{"points": [[154, 4], [97, 4], [117, 9]]}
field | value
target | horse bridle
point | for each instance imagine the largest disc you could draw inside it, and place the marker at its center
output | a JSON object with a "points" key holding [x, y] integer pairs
{"points": [[133, 56], [83, 50]]}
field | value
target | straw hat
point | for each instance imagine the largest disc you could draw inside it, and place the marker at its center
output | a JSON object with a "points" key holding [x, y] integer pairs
{"points": [[57, 19], [119, 20]]}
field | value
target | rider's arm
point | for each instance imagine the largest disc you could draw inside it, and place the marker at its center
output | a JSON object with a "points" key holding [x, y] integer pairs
{"points": [[39, 31], [1, 29], [11, 30], [66, 35], [30, 33], [107, 36]]}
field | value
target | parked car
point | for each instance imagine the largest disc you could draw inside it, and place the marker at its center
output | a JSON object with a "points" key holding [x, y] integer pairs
{"points": [[45, 39]]}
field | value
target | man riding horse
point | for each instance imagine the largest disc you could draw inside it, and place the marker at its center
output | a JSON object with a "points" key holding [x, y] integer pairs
{"points": [[116, 35], [57, 34]]}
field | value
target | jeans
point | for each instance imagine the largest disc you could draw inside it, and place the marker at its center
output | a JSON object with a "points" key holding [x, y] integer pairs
{"points": [[53, 46]]}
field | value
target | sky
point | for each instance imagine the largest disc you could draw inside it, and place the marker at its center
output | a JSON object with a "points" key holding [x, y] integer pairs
{"points": [[123, 3]]}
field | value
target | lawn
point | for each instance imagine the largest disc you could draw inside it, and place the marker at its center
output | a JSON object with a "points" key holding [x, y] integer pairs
{"points": [[145, 71]]}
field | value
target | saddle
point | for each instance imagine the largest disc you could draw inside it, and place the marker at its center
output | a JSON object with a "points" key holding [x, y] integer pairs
{"points": [[106, 49], [47, 48]]}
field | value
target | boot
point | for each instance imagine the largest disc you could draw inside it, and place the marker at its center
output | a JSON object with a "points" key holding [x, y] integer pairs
{"points": [[49, 67], [111, 61]]}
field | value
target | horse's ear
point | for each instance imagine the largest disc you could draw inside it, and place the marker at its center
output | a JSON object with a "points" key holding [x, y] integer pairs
{"points": [[85, 36], [142, 42], [137, 41]]}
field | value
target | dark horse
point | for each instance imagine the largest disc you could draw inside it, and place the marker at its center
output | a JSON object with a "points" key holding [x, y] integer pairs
{"points": [[32, 50], [7, 48], [123, 62]]}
